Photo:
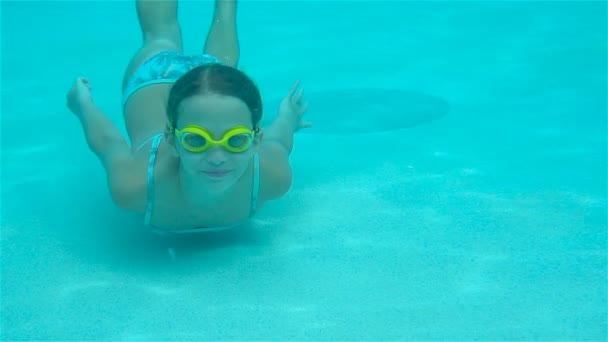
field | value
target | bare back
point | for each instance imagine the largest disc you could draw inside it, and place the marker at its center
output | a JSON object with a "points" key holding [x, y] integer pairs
{"points": [[145, 113]]}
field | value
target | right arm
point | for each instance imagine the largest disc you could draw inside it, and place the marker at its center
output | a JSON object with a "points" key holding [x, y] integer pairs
{"points": [[110, 147], [103, 138]]}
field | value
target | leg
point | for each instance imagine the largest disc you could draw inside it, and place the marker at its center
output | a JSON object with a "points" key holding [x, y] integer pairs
{"points": [[160, 28], [222, 40]]}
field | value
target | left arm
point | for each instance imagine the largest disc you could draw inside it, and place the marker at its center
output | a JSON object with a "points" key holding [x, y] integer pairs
{"points": [[289, 119], [277, 144], [275, 171]]}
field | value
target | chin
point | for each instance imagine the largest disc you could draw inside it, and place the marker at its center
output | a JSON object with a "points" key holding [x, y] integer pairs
{"points": [[219, 188], [219, 185]]}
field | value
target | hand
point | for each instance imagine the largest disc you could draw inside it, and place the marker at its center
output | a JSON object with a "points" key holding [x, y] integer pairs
{"points": [[79, 95], [292, 108]]}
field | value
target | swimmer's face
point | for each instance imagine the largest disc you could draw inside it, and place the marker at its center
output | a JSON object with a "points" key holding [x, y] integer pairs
{"points": [[217, 167]]}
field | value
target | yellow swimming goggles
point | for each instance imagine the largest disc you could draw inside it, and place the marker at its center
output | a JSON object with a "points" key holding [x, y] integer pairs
{"points": [[197, 139]]}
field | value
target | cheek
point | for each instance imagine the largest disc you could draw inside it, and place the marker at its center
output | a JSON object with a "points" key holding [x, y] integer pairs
{"points": [[190, 160], [242, 159]]}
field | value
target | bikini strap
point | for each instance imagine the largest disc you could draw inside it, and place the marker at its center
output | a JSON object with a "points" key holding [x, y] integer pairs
{"points": [[256, 184], [150, 202], [145, 142]]}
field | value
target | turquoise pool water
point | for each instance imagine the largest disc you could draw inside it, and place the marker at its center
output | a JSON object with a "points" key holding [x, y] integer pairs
{"points": [[453, 187]]}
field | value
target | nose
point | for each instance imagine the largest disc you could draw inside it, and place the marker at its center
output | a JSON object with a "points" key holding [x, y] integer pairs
{"points": [[216, 156]]}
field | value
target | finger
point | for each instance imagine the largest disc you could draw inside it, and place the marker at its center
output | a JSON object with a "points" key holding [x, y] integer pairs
{"points": [[304, 108], [293, 89], [85, 81], [299, 96]]}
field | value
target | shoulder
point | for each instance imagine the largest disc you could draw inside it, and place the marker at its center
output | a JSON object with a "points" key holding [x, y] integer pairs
{"points": [[275, 170]]}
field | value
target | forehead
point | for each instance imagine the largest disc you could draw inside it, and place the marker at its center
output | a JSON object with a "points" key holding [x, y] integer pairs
{"points": [[214, 112]]}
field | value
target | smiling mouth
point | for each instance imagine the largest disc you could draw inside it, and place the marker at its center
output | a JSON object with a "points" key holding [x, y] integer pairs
{"points": [[216, 174]]}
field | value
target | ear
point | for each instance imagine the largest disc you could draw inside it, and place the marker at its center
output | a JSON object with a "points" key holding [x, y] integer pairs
{"points": [[259, 137], [170, 138]]}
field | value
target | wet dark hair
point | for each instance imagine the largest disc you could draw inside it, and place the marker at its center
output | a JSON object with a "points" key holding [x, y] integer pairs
{"points": [[215, 79]]}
